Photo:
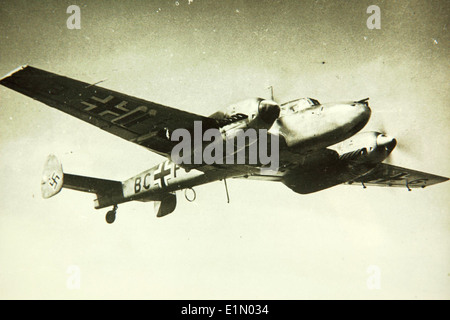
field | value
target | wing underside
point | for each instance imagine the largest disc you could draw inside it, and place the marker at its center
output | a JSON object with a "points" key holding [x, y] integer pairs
{"points": [[143, 122], [386, 175]]}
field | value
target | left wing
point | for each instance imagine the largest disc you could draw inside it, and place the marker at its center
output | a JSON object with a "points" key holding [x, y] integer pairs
{"points": [[143, 122], [386, 175]]}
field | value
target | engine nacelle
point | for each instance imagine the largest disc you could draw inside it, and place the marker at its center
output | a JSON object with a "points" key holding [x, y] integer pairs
{"points": [[367, 147]]}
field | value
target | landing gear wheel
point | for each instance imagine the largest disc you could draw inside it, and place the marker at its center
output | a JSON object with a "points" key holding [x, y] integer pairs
{"points": [[111, 215], [194, 195]]}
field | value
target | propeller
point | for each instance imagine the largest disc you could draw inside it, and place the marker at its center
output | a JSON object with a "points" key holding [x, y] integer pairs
{"points": [[403, 146], [408, 136]]}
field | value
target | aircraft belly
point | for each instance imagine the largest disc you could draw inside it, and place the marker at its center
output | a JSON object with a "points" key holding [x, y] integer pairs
{"points": [[305, 180]]}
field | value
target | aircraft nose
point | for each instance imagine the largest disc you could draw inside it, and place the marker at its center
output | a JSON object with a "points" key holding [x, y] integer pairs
{"points": [[358, 114], [364, 111]]}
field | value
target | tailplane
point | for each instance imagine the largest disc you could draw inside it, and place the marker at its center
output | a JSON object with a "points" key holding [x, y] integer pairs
{"points": [[108, 192]]}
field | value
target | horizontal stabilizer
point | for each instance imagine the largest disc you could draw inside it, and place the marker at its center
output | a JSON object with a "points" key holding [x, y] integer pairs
{"points": [[109, 192], [90, 184]]}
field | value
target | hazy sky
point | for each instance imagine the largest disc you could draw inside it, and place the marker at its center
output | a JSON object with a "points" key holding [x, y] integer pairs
{"points": [[269, 242]]}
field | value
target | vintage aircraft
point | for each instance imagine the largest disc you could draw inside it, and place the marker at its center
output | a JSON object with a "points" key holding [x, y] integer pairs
{"points": [[318, 145]]}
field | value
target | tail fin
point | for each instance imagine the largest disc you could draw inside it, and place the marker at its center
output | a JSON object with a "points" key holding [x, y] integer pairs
{"points": [[52, 177]]}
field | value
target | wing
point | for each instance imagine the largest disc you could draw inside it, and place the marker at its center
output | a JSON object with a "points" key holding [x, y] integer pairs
{"points": [[386, 175], [143, 122]]}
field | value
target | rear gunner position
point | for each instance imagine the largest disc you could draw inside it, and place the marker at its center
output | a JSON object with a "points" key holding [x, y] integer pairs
{"points": [[313, 146]]}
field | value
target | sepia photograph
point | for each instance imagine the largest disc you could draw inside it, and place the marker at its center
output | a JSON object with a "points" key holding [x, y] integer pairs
{"points": [[224, 150]]}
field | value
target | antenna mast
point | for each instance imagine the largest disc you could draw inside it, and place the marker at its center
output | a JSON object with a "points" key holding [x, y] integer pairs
{"points": [[271, 92]]}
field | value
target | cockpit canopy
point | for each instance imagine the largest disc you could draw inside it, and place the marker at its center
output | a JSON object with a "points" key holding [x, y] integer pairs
{"points": [[297, 105]]}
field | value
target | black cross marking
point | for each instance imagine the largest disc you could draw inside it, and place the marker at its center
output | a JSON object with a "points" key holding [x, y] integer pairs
{"points": [[116, 110], [162, 173], [397, 177], [110, 106], [418, 181]]}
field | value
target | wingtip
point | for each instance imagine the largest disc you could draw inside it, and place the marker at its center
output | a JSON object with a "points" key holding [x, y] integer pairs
{"points": [[9, 74]]}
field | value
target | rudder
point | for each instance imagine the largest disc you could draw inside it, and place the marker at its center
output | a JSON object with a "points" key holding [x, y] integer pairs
{"points": [[52, 177]]}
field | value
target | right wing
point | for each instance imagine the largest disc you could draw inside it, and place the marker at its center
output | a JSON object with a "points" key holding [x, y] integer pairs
{"points": [[143, 122], [386, 175]]}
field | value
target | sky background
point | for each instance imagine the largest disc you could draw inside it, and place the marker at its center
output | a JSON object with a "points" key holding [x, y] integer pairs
{"points": [[268, 243]]}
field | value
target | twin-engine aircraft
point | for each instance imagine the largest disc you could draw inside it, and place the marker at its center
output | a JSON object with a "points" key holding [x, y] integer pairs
{"points": [[313, 146]]}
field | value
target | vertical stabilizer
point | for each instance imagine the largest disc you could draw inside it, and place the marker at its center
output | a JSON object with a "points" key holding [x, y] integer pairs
{"points": [[52, 177]]}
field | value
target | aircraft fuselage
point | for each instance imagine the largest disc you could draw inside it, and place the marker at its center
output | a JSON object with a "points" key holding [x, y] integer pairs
{"points": [[303, 131]]}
